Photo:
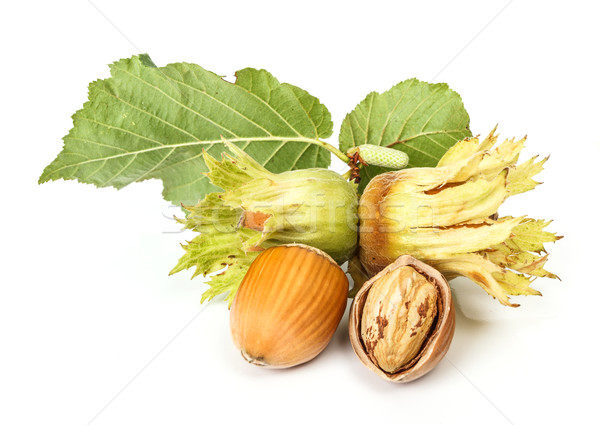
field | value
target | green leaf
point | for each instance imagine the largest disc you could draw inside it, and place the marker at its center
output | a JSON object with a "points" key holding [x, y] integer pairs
{"points": [[153, 123], [421, 119]]}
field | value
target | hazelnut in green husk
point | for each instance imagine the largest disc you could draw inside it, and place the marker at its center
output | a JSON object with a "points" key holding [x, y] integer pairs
{"points": [[446, 217], [259, 209]]}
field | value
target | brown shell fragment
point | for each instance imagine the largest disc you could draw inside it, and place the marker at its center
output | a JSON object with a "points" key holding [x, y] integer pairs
{"points": [[430, 347]]}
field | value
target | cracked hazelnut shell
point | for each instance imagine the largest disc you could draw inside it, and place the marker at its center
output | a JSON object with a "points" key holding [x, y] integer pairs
{"points": [[432, 348]]}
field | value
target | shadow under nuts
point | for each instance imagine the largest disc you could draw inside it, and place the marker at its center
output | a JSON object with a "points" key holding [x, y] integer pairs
{"points": [[402, 320], [288, 306]]}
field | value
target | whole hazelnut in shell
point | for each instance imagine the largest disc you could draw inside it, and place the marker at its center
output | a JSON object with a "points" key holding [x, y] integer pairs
{"points": [[288, 306]]}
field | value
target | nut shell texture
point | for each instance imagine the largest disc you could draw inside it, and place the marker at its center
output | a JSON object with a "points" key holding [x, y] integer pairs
{"points": [[400, 310], [288, 306], [432, 349]]}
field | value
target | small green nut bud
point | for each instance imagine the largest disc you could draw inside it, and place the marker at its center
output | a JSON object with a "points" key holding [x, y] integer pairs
{"points": [[379, 156]]}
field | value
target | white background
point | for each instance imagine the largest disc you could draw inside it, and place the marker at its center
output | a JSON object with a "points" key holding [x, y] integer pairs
{"points": [[93, 329]]}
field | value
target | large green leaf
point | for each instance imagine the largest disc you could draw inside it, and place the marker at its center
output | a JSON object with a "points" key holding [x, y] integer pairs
{"points": [[423, 120], [147, 122]]}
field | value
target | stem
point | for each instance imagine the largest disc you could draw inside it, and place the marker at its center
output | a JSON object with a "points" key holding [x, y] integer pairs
{"points": [[347, 174], [341, 155]]}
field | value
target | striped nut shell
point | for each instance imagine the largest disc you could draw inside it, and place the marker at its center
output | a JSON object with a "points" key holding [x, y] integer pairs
{"points": [[288, 306]]}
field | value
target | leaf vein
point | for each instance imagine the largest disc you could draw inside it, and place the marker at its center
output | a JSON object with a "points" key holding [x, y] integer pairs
{"points": [[176, 102], [143, 176], [274, 111], [389, 116], [95, 143], [415, 110], [121, 129], [119, 172], [220, 102], [151, 115]]}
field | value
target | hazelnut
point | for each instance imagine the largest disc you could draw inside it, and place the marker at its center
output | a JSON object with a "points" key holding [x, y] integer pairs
{"points": [[402, 320], [288, 306]]}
